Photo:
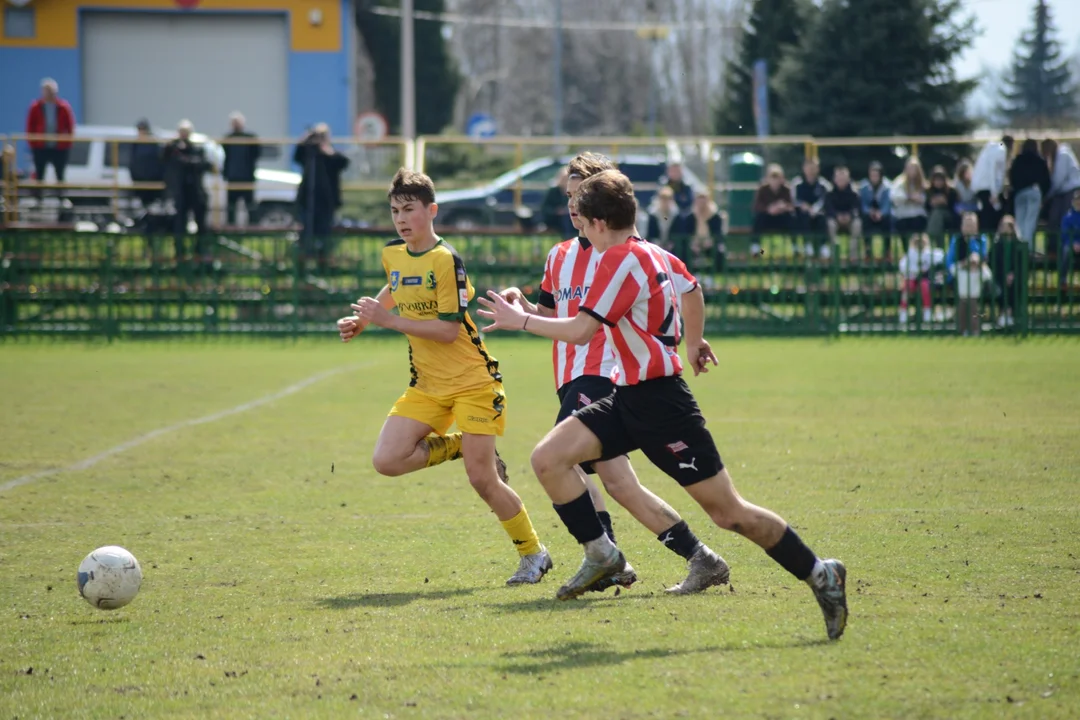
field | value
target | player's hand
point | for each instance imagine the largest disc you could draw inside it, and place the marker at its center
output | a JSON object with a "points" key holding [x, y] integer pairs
{"points": [[371, 312], [506, 315], [349, 327], [699, 355], [513, 296]]}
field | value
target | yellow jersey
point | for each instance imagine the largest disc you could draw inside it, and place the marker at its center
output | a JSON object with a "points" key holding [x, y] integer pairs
{"points": [[433, 285]]}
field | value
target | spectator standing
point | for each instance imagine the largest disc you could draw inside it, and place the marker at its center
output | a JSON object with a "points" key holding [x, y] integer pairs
{"points": [[876, 197], [809, 192], [916, 267], [1029, 178], [842, 213], [241, 157], [706, 229], [773, 207], [50, 115], [319, 195], [554, 211], [969, 241], [1064, 180], [1070, 242], [185, 168], [940, 201], [965, 191], [964, 261], [684, 193], [666, 226], [1007, 269], [988, 181], [145, 164], [909, 201]]}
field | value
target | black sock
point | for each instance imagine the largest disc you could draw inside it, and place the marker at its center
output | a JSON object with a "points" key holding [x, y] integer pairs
{"points": [[579, 517], [793, 555], [605, 520], [680, 539]]}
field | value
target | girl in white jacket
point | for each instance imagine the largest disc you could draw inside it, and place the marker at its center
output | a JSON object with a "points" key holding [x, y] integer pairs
{"points": [[915, 268]]}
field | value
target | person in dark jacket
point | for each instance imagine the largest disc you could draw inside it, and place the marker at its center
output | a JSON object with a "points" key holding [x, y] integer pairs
{"points": [[941, 202], [185, 167], [145, 164], [773, 206], [684, 193], [809, 191], [50, 115], [1029, 178], [319, 195], [843, 213], [554, 211], [1007, 267], [241, 156]]}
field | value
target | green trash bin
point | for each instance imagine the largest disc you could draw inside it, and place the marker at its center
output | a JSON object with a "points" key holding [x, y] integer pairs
{"points": [[746, 167]]}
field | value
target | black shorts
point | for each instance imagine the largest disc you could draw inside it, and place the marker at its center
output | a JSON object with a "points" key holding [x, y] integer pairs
{"points": [[582, 392], [662, 419]]}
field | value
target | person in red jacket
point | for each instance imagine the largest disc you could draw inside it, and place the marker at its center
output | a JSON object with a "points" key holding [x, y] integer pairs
{"points": [[50, 115]]}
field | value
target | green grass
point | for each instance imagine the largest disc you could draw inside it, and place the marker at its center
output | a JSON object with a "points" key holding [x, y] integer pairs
{"points": [[943, 472]]}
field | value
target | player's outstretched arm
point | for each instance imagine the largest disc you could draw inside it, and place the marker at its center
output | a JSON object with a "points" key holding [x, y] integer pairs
{"points": [[372, 311], [514, 295], [577, 330], [350, 326], [698, 352]]}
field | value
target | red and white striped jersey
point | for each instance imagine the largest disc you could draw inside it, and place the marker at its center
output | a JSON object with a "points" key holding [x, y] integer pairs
{"points": [[568, 273], [635, 293]]}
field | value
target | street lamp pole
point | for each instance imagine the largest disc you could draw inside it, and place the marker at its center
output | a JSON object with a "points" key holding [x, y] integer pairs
{"points": [[408, 72]]}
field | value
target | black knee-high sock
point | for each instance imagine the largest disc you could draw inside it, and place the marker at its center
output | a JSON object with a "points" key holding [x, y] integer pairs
{"points": [[605, 520], [793, 555], [579, 517], [680, 539]]}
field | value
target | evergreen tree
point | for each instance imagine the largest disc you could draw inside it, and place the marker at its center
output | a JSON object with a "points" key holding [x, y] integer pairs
{"points": [[437, 78], [879, 68], [1039, 89], [772, 31]]}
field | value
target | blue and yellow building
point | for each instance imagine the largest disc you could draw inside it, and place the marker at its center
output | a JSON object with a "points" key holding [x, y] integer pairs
{"points": [[285, 64]]}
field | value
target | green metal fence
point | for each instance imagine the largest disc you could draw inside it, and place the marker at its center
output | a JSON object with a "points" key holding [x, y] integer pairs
{"points": [[97, 285]]}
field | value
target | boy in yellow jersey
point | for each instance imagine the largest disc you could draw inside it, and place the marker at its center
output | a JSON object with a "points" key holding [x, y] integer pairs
{"points": [[453, 378]]}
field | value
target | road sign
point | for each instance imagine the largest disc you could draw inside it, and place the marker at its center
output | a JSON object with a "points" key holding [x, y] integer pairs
{"points": [[370, 127], [480, 125]]}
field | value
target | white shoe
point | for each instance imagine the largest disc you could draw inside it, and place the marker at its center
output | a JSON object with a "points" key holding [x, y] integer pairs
{"points": [[1001, 321], [927, 315], [903, 317], [532, 568]]}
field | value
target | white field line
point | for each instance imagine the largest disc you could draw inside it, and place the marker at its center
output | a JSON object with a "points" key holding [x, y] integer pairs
{"points": [[153, 434]]}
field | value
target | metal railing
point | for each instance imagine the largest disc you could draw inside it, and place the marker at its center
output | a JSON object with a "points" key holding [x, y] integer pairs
{"points": [[108, 286]]}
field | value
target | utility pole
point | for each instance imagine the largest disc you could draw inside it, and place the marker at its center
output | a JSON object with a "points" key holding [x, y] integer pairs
{"points": [[408, 72], [557, 70]]}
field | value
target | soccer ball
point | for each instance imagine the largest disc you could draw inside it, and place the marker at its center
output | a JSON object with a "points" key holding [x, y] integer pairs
{"points": [[109, 577]]}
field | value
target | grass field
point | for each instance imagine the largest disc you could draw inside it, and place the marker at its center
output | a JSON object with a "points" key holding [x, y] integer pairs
{"points": [[283, 578]]}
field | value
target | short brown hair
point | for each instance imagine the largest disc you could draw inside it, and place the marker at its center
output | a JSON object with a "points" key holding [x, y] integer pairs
{"points": [[608, 196], [588, 164], [411, 185]]}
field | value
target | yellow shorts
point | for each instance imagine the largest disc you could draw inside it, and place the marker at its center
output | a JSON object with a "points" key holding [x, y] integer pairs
{"points": [[477, 412]]}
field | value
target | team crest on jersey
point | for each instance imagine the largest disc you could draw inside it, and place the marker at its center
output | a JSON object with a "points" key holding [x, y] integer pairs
{"points": [[430, 279], [395, 278]]}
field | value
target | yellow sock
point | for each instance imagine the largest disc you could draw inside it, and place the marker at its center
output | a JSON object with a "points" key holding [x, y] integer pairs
{"points": [[442, 448], [521, 532]]}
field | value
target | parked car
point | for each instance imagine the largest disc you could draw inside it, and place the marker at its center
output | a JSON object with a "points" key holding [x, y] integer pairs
{"points": [[94, 163], [495, 204]]}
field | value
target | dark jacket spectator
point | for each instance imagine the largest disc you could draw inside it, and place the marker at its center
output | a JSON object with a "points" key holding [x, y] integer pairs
{"points": [[842, 201], [667, 226], [773, 206], [1069, 249], [145, 164], [241, 157], [1028, 169], [319, 195], [684, 193], [185, 167], [941, 201], [1007, 267], [554, 212], [808, 192]]}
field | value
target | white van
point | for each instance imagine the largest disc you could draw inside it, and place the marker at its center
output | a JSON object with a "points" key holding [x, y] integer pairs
{"points": [[93, 163]]}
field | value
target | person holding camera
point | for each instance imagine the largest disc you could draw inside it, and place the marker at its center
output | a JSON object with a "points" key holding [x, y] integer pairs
{"points": [[185, 167], [319, 195]]}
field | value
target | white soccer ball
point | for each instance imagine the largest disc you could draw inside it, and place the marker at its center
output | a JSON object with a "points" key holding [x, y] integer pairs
{"points": [[109, 577]]}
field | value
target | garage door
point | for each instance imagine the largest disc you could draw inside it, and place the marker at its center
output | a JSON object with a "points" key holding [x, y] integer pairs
{"points": [[166, 67]]}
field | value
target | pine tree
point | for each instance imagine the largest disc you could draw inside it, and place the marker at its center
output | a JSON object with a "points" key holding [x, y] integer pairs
{"points": [[772, 31], [1039, 89], [878, 68], [437, 78]]}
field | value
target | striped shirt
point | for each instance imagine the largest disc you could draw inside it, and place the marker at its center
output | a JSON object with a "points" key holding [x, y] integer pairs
{"points": [[568, 273], [635, 293]]}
